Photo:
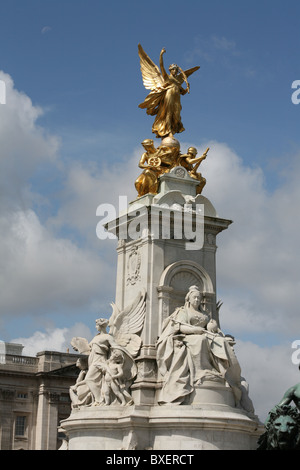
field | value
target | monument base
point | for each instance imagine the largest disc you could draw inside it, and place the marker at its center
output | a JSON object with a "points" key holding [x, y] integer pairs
{"points": [[166, 427]]}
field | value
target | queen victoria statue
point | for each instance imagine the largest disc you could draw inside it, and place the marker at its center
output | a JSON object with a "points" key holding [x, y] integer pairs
{"points": [[191, 350]]}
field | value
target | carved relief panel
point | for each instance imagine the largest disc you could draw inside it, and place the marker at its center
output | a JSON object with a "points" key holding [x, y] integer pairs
{"points": [[133, 266]]}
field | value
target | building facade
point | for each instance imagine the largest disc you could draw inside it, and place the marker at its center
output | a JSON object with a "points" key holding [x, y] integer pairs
{"points": [[34, 397]]}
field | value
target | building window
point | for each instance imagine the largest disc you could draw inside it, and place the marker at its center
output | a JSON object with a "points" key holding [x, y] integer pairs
{"points": [[20, 426], [64, 397], [22, 395]]}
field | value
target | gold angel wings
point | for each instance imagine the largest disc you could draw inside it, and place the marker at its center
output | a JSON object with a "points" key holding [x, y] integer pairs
{"points": [[164, 97], [152, 77]]}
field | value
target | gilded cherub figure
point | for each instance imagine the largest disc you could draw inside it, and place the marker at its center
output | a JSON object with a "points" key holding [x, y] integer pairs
{"points": [[147, 181], [155, 162], [163, 101], [191, 163]]}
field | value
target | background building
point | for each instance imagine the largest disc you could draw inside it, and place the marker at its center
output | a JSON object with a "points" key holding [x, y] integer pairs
{"points": [[34, 397]]}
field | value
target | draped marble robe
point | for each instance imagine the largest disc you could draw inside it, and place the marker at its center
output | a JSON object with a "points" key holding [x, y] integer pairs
{"points": [[186, 360]]}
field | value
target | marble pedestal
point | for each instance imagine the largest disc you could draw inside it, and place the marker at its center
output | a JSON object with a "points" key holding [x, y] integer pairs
{"points": [[206, 426], [164, 267]]}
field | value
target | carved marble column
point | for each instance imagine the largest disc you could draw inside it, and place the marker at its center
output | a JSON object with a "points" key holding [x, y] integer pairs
{"points": [[155, 258]]}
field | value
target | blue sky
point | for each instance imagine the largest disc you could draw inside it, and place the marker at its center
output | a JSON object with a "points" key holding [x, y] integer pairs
{"points": [[71, 133], [73, 57]]}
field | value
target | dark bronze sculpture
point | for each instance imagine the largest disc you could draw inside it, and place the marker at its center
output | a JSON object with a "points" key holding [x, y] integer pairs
{"points": [[283, 423], [282, 429]]}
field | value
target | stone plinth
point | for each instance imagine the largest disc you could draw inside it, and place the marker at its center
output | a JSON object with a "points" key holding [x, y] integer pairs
{"points": [[186, 427]]}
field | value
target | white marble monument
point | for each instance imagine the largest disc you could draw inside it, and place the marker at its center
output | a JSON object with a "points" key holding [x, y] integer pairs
{"points": [[164, 376]]}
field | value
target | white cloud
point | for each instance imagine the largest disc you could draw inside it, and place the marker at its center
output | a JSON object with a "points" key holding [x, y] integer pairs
{"points": [[211, 48], [24, 147], [269, 372], [88, 185], [46, 29], [258, 257], [222, 43], [40, 270], [53, 339]]}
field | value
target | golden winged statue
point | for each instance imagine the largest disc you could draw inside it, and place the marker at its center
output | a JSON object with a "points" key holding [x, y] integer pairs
{"points": [[163, 101]]}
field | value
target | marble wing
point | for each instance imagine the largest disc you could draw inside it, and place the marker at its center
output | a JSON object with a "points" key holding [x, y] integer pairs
{"points": [[126, 324], [81, 345]]}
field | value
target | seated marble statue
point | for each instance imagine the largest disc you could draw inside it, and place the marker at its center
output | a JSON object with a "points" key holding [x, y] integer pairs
{"points": [[80, 393], [192, 349]]}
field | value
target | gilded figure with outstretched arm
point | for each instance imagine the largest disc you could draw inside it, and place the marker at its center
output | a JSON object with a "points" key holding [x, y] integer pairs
{"points": [[191, 163], [163, 101]]}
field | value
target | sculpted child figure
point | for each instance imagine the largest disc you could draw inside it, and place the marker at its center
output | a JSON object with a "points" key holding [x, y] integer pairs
{"points": [[113, 386], [191, 162], [147, 182]]}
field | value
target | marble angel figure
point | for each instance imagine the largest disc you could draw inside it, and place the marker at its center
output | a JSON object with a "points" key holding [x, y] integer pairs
{"points": [[108, 371], [164, 101]]}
